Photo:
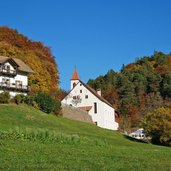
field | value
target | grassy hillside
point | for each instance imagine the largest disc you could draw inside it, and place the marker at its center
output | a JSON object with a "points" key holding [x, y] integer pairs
{"points": [[32, 140]]}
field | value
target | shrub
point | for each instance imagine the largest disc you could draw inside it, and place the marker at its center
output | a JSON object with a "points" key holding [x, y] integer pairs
{"points": [[4, 97], [19, 98], [29, 100], [157, 124], [46, 103], [35, 105], [58, 109]]}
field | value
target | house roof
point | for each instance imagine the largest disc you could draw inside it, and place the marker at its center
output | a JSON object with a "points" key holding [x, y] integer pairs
{"points": [[86, 108], [95, 93], [3, 59], [117, 114], [21, 66], [75, 75]]}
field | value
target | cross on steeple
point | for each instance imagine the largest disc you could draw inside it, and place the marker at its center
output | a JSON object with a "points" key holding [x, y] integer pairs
{"points": [[75, 75]]}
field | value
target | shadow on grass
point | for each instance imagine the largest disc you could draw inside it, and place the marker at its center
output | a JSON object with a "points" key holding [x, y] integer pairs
{"points": [[146, 141], [135, 140]]}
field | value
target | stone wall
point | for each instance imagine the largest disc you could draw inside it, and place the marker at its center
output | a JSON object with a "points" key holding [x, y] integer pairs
{"points": [[75, 114]]}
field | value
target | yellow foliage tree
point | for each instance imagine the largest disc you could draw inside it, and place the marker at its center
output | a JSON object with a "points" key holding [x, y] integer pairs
{"points": [[35, 55], [157, 124]]}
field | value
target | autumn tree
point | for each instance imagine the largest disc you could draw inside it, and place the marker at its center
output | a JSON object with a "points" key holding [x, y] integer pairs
{"points": [[157, 124], [34, 54]]}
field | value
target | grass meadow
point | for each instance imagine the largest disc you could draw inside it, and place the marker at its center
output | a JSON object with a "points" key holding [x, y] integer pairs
{"points": [[33, 140]]}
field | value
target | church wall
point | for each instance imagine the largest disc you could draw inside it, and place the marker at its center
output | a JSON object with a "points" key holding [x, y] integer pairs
{"points": [[109, 117], [105, 114]]}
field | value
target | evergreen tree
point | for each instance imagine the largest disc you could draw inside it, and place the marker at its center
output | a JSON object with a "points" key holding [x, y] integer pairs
{"points": [[166, 86]]}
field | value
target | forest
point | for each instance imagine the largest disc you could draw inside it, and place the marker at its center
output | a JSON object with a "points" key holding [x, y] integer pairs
{"points": [[139, 87]]}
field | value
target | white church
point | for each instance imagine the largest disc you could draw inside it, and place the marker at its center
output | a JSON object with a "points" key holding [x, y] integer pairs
{"points": [[84, 97]]}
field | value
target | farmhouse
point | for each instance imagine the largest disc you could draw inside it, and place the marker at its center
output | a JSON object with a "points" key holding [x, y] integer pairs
{"points": [[14, 76], [84, 97]]}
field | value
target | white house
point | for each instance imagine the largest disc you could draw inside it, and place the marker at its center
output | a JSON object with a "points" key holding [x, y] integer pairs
{"points": [[84, 97], [14, 76]]}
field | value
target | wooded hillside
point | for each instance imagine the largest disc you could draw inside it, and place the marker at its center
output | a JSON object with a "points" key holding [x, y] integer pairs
{"points": [[139, 87], [35, 54]]}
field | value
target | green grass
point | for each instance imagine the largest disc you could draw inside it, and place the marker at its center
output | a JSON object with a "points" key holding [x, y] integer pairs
{"points": [[33, 140]]}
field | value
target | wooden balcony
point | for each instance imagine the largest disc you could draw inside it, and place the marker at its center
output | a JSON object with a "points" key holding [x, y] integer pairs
{"points": [[8, 72], [13, 87]]}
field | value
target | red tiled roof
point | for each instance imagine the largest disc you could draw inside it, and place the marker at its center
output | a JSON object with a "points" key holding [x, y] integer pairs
{"points": [[75, 75], [86, 108], [95, 93]]}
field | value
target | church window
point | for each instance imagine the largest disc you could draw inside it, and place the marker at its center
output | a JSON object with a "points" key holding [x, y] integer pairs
{"points": [[74, 97], [95, 107], [81, 91], [86, 96], [74, 84]]}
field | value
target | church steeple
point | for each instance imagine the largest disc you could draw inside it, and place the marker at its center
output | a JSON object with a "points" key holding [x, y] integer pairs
{"points": [[75, 75], [74, 79]]}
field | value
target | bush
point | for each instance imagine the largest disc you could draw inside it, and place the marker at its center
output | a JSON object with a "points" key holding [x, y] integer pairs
{"points": [[35, 105], [58, 109], [157, 124], [19, 98], [46, 103], [4, 97], [29, 100]]}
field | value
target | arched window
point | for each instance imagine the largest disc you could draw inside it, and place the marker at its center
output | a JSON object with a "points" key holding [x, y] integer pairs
{"points": [[74, 84]]}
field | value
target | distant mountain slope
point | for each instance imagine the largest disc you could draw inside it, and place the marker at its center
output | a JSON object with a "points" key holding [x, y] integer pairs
{"points": [[139, 87], [35, 54]]}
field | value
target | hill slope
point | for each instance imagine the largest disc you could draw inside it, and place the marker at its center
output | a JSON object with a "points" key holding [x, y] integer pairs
{"points": [[32, 140]]}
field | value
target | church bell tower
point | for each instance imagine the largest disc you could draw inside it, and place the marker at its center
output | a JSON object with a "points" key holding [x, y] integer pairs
{"points": [[74, 79]]}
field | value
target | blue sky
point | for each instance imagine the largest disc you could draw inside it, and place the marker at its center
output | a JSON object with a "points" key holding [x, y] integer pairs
{"points": [[94, 35]]}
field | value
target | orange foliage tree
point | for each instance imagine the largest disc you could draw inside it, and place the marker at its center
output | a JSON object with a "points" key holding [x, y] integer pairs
{"points": [[34, 54]]}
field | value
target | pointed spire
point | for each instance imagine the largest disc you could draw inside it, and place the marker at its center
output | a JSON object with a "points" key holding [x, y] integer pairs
{"points": [[75, 75]]}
